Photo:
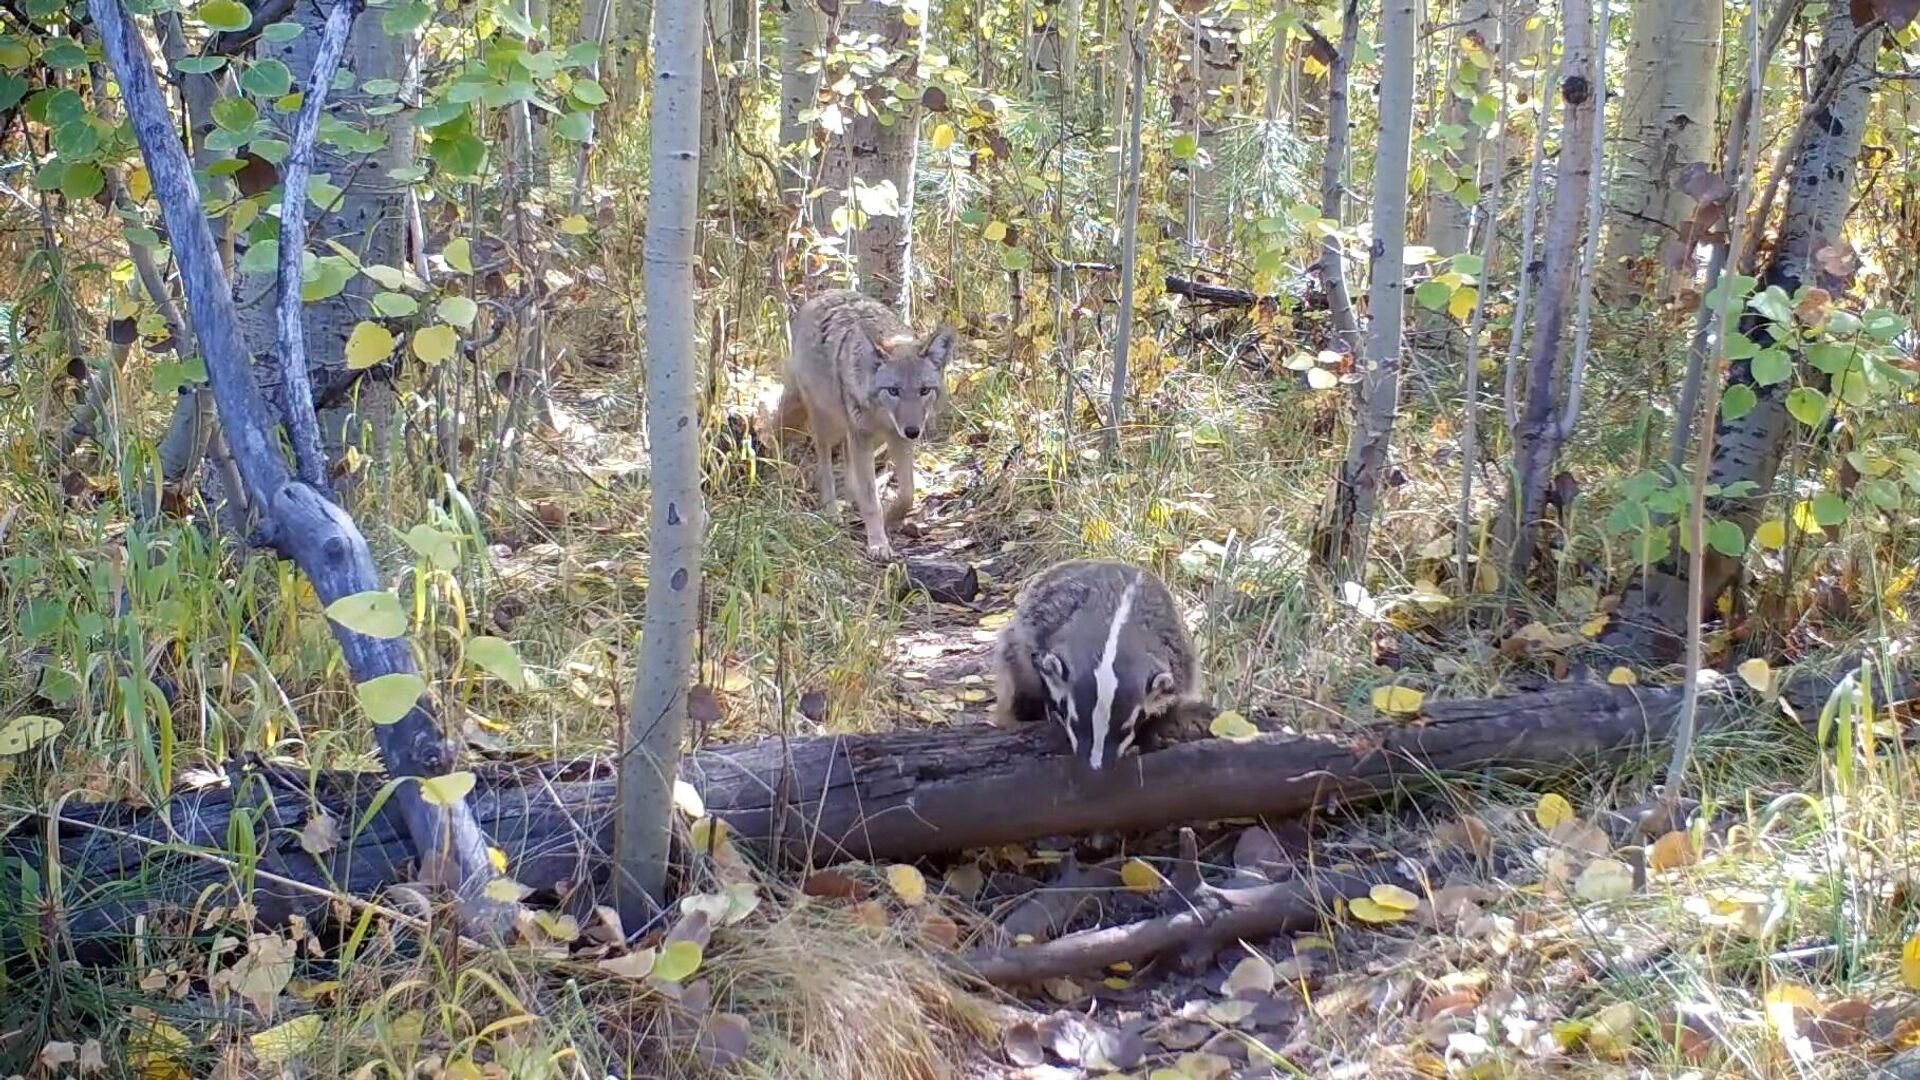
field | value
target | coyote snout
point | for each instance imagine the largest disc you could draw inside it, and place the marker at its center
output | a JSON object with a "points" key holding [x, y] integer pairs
{"points": [[860, 376]]}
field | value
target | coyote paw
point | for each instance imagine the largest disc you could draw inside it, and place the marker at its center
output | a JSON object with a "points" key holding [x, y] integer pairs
{"points": [[880, 550]]}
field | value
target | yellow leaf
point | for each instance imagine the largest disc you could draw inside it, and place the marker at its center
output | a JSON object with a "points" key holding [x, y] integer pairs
{"points": [[1756, 673], [286, 1041], [575, 225], [707, 833], [1604, 879], [1460, 304], [1551, 810], [677, 961], [23, 733], [1368, 910], [1910, 963], [687, 800], [1393, 897], [1672, 851], [1770, 534], [1486, 577], [139, 184], [1594, 626], [369, 344], [1140, 876], [1622, 676], [1320, 378], [435, 344], [459, 255], [503, 890], [447, 789], [996, 231], [995, 619], [943, 136], [1610, 1032], [497, 859], [1785, 1000], [1233, 727], [1252, 976], [907, 883], [1397, 700]]}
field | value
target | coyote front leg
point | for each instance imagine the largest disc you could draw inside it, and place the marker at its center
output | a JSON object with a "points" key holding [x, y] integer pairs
{"points": [[900, 452], [825, 438], [866, 495]]}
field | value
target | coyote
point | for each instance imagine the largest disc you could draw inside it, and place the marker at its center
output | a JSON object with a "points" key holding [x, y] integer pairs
{"points": [[857, 376]]}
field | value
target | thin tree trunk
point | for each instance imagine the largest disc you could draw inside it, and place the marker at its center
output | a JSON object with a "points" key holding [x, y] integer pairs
{"points": [[1356, 491], [677, 525], [800, 40], [627, 49], [1140, 43], [302, 524], [1538, 443], [1654, 608], [1333, 183], [1668, 114], [872, 155], [1450, 213], [724, 37]]}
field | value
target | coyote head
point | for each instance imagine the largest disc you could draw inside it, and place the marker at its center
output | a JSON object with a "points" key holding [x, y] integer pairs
{"points": [[909, 379]]}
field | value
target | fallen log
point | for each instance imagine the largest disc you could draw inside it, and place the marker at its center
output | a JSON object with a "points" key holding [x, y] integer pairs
{"points": [[818, 800]]}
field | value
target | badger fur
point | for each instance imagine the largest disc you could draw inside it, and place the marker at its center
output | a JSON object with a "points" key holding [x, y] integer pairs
{"points": [[1099, 648]]}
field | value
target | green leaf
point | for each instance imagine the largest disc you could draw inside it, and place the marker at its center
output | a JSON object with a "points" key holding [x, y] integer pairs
{"points": [[1470, 265], [1433, 295], [170, 375], [322, 193], [1807, 405], [281, 32], [225, 15], [1775, 304], [575, 127], [1726, 538], [446, 790], [459, 254], [405, 19], [261, 258], [498, 658], [1883, 325], [82, 180], [1770, 366], [1830, 357], [1184, 146], [64, 54], [461, 155], [588, 92], [677, 961], [1829, 509], [375, 613], [1738, 401], [75, 140], [235, 114], [388, 698], [12, 89], [325, 278], [200, 65], [394, 305], [267, 78], [23, 733], [48, 176], [442, 549], [458, 310]]}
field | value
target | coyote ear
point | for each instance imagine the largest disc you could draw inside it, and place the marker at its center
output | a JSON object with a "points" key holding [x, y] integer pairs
{"points": [[938, 347]]}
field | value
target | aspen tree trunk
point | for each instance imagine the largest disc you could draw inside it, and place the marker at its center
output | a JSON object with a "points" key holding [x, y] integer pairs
{"points": [[875, 155], [1333, 178], [1140, 43], [649, 762], [716, 89], [1668, 114], [627, 47], [804, 30], [1653, 612], [1450, 213], [1538, 440], [1356, 490]]}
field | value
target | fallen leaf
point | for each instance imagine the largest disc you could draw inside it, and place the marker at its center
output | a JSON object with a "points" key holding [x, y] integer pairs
{"points": [[1368, 910], [1910, 963], [1672, 851], [908, 884], [1622, 676], [320, 834], [1756, 673], [636, 965], [281, 1044], [1397, 700], [1251, 976], [1140, 876], [1551, 810], [1603, 880], [1233, 727]]}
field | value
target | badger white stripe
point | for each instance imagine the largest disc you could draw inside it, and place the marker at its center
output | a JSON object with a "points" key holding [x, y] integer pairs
{"points": [[1105, 681]]}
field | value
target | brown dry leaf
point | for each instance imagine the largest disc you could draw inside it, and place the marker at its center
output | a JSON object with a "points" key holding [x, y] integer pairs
{"points": [[1580, 838], [56, 1054], [939, 931], [869, 915], [723, 1040], [834, 885], [1022, 1044], [966, 880], [1813, 306], [1469, 833], [1790, 1006], [1455, 1003], [1064, 990], [1672, 851], [92, 1058]]}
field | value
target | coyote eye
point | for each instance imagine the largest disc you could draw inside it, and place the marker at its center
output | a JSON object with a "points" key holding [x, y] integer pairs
{"points": [[890, 391], [926, 391]]}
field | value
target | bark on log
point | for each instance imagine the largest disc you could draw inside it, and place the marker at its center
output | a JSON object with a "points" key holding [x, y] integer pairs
{"points": [[943, 580], [881, 797]]}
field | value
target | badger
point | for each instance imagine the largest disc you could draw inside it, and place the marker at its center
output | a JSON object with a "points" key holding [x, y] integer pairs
{"points": [[1098, 647]]}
